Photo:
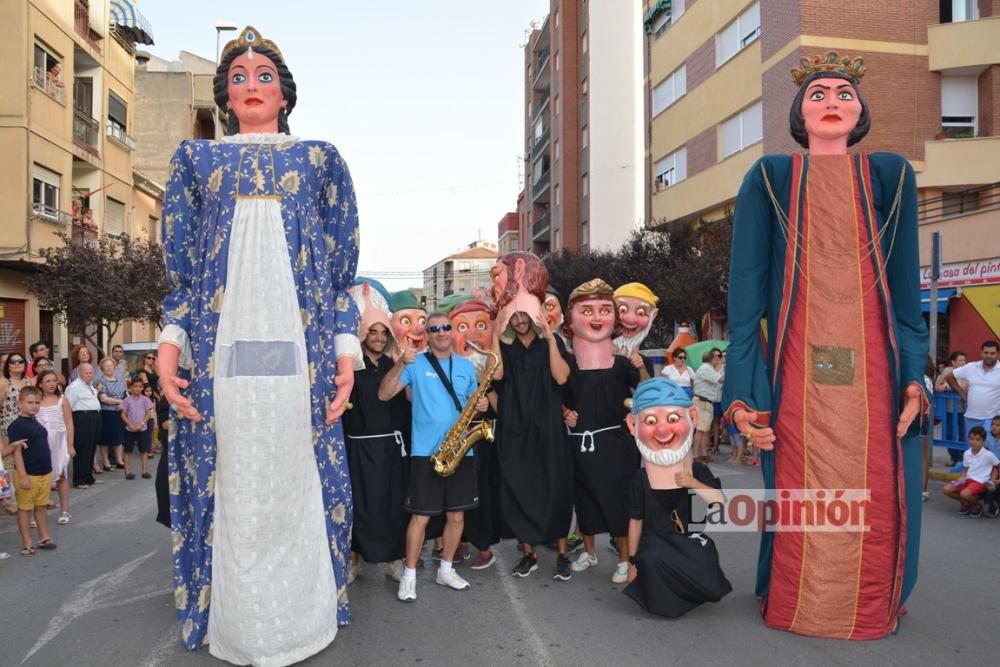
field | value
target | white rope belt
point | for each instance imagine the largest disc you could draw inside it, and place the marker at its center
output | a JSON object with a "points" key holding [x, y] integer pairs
{"points": [[395, 434], [588, 436]]}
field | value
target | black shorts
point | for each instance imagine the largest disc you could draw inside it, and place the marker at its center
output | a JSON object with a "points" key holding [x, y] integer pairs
{"points": [[141, 440], [430, 494]]}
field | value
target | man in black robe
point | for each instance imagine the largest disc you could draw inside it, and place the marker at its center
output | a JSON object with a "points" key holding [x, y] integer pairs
{"points": [[376, 437], [536, 466]]}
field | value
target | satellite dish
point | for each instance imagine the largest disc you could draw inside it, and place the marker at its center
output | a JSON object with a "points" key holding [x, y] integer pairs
{"points": [[535, 23]]}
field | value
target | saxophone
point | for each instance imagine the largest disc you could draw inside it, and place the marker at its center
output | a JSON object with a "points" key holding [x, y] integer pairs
{"points": [[460, 437]]}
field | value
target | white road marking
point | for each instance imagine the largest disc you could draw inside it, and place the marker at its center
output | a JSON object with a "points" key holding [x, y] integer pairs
{"points": [[111, 589], [165, 648], [540, 653]]}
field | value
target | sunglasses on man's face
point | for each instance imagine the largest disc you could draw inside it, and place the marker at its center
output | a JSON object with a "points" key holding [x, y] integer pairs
{"points": [[434, 328], [681, 357]]}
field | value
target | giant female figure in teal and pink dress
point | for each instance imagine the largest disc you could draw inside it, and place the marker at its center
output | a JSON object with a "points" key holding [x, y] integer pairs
{"points": [[261, 238], [825, 249]]}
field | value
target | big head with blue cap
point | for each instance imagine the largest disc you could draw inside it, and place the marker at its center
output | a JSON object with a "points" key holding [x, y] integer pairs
{"points": [[662, 420]]}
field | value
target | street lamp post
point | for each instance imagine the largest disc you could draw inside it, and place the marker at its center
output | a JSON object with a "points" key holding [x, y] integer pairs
{"points": [[220, 27]]}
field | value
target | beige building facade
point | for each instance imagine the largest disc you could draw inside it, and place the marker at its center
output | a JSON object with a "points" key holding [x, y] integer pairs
{"points": [[718, 93], [66, 133], [463, 272]]}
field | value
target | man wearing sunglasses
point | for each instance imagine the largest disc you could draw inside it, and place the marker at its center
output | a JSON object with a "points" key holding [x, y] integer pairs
{"points": [[439, 384]]}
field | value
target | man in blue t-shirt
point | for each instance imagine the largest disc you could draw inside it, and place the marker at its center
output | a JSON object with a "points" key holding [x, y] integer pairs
{"points": [[434, 411]]}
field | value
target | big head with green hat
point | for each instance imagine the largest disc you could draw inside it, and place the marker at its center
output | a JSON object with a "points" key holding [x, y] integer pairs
{"points": [[408, 320]]}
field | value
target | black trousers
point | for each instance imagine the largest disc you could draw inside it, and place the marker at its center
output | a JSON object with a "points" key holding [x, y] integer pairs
{"points": [[86, 432]]}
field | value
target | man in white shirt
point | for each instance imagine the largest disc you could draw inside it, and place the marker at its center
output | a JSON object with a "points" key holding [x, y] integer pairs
{"points": [[86, 409], [982, 398], [707, 391]]}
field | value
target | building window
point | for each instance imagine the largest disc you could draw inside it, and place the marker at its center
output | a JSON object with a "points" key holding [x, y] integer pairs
{"points": [[583, 43], [45, 193], [670, 90], [555, 150], [584, 234], [114, 217], [585, 185], [555, 18], [672, 169], [118, 121], [558, 195], [585, 136], [584, 88], [742, 130], [739, 34], [959, 106], [557, 61], [47, 74], [956, 11], [558, 105]]}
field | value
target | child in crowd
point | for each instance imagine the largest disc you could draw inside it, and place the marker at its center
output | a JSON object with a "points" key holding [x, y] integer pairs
{"points": [[152, 432], [136, 411], [32, 470], [979, 465], [57, 418], [993, 437]]}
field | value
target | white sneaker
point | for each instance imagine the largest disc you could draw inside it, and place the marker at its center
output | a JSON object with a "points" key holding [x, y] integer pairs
{"points": [[353, 571], [407, 589], [452, 580], [585, 561], [394, 570], [621, 574]]}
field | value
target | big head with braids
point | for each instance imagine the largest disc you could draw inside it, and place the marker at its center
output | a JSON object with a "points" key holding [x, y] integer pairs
{"points": [[250, 39]]}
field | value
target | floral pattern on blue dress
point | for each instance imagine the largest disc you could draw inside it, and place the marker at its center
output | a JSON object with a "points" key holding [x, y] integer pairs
{"points": [[319, 211]]}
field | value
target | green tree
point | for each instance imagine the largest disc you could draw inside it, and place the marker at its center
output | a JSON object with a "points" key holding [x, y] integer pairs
{"points": [[103, 284]]}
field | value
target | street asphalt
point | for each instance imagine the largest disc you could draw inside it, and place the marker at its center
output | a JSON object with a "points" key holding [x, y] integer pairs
{"points": [[104, 598]]}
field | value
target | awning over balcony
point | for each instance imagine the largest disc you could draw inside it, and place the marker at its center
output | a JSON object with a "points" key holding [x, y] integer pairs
{"points": [[130, 21], [944, 294], [659, 7]]}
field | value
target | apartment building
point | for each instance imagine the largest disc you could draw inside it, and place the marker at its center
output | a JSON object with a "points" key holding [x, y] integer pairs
{"points": [[719, 89], [462, 272], [175, 102], [508, 234], [584, 123], [66, 133]]}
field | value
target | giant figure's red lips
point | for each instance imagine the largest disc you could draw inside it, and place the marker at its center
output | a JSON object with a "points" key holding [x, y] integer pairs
{"points": [[831, 118]]}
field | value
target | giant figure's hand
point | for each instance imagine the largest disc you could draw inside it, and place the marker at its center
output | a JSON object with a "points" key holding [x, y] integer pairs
{"points": [[345, 384], [761, 438], [171, 385], [911, 408]]}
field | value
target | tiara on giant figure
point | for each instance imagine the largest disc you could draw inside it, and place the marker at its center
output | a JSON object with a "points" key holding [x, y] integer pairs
{"points": [[831, 62], [250, 38]]}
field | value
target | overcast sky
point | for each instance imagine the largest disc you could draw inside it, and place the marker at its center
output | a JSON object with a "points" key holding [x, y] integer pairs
{"points": [[423, 99]]}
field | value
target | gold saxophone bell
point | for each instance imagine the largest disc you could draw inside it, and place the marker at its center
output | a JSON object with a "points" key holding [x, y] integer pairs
{"points": [[460, 438]]}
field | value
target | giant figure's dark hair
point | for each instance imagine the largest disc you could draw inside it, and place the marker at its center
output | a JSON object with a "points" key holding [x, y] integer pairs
{"points": [[797, 122], [221, 87]]}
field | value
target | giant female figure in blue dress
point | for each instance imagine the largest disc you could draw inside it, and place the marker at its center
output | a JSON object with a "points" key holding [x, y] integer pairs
{"points": [[825, 249], [258, 353]]}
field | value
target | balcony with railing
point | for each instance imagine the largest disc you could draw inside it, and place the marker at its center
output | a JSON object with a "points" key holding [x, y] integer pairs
{"points": [[51, 86], [81, 23], [83, 235], [540, 228], [86, 131], [965, 202], [45, 213], [118, 134], [541, 142], [542, 78], [540, 187]]}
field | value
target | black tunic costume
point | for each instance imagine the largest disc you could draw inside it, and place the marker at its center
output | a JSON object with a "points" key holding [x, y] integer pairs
{"points": [[604, 452], [376, 432], [676, 571], [484, 525], [536, 468]]}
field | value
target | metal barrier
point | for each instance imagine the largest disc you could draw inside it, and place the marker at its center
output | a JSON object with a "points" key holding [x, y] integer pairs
{"points": [[949, 408]]}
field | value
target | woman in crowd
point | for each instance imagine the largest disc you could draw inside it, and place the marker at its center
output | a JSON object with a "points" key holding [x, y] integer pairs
{"points": [[80, 355], [57, 418], [14, 379], [111, 391], [680, 373]]}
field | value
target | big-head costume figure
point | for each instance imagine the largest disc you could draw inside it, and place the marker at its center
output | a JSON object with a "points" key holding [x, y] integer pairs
{"points": [[825, 248], [671, 569], [372, 301], [519, 283], [261, 242], [408, 320], [637, 311]]}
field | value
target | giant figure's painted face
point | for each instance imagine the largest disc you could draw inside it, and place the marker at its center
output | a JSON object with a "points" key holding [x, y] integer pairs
{"points": [[662, 427], [636, 317], [593, 319], [830, 108], [471, 326], [254, 90], [517, 287], [409, 323], [553, 311]]}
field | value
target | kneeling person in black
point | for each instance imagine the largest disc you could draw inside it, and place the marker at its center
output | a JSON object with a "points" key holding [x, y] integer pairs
{"points": [[440, 384]]}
